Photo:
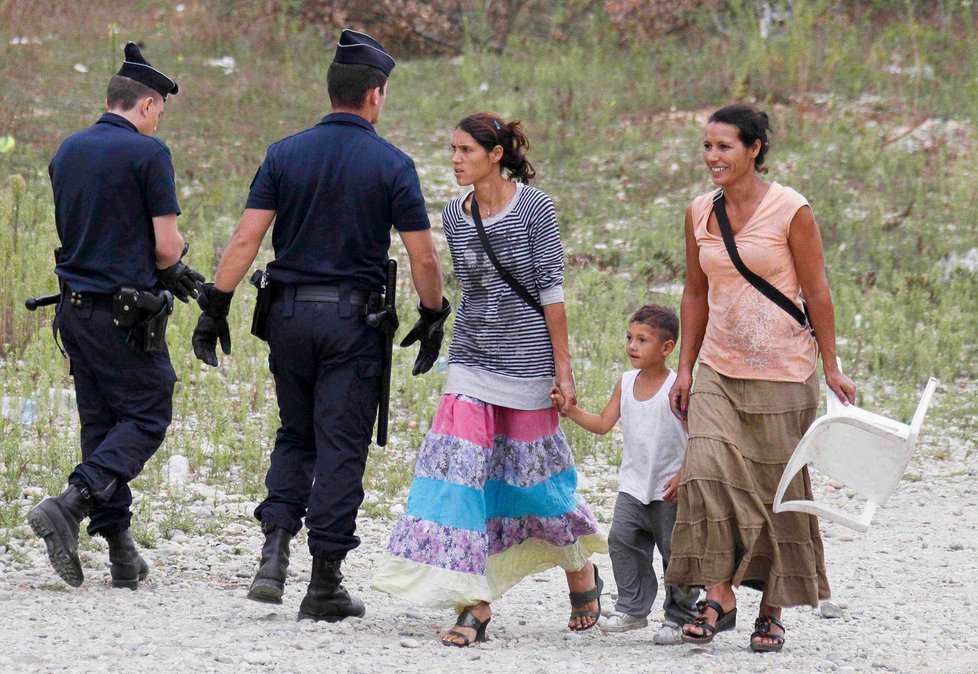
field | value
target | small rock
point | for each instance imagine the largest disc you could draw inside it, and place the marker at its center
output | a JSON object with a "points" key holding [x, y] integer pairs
{"points": [[414, 614], [176, 471], [697, 651], [956, 546], [835, 484], [475, 656], [830, 610], [409, 643], [273, 617], [255, 658]]}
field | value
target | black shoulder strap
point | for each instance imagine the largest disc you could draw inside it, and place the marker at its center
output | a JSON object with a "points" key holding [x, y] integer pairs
{"points": [[506, 276], [763, 287]]}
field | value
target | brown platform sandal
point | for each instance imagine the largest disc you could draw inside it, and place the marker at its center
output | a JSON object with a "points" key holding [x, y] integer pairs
{"points": [[762, 629], [726, 620], [468, 620], [584, 598]]}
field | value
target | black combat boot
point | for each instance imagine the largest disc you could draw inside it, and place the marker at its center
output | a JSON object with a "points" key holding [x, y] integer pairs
{"points": [[56, 521], [326, 599], [269, 582], [127, 568]]}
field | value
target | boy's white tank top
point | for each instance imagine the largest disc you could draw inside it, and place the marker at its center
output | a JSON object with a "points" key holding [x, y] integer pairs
{"points": [[653, 440]]}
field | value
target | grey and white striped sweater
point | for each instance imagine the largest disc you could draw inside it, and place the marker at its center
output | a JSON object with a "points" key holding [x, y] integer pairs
{"points": [[501, 351]]}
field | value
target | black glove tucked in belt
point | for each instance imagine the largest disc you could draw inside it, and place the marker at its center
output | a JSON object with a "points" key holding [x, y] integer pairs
{"points": [[212, 324], [429, 330]]}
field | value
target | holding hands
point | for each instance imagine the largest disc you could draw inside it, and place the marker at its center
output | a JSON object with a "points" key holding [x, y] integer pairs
{"points": [[564, 397]]}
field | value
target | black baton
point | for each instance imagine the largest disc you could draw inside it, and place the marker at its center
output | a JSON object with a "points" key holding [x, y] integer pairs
{"points": [[386, 320], [32, 303]]}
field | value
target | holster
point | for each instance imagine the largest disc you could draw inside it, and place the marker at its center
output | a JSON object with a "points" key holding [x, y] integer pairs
{"points": [[263, 302], [153, 329], [145, 314]]}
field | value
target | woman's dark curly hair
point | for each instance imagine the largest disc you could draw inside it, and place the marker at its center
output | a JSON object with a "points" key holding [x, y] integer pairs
{"points": [[490, 130]]}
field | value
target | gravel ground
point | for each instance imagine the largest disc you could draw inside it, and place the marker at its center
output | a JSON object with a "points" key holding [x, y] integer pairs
{"points": [[906, 591]]}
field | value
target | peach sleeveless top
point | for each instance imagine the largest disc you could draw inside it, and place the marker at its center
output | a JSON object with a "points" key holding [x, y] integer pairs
{"points": [[747, 335]]}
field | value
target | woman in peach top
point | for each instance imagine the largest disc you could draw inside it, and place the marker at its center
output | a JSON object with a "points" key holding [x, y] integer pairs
{"points": [[756, 390]]}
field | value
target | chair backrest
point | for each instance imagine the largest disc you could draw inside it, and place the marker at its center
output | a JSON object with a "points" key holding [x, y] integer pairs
{"points": [[918, 416]]}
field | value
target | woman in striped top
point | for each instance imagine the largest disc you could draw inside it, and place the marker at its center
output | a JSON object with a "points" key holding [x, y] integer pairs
{"points": [[494, 496]]}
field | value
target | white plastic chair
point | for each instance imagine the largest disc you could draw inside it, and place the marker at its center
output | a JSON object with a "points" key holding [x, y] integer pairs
{"points": [[866, 452]]}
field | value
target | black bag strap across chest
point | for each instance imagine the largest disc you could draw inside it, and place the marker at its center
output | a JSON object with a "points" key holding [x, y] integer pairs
{"points": [[517, 287], [762, 286]]}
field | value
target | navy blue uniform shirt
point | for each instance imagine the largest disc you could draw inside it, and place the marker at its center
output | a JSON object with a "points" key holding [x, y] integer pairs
{"points": [[336, 189], [109, 182]]}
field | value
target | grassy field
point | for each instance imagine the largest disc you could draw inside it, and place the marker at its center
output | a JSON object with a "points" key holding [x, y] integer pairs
{"points": [[875, 123]]}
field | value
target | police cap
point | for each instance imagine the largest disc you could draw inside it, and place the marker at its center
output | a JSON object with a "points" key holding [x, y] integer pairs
{"points": [[137, 68], [360, 49]]}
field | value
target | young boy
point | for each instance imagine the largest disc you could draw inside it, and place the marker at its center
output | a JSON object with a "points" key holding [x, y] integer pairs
{"points": [[652, 454]]}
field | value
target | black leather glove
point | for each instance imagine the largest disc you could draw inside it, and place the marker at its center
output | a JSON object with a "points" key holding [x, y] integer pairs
{"points": [[429, 330], [180, 279], [212, 324]]}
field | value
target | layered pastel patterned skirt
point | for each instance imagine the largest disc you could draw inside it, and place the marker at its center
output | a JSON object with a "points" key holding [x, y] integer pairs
{"points": [[493, 501]]}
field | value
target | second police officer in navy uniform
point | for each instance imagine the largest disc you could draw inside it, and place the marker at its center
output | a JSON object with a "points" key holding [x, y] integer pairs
{"points": [[115, 209], [334, 191]]}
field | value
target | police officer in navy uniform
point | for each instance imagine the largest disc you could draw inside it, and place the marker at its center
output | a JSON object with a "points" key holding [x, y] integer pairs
{"points": [[116, 210], [334, 192]]}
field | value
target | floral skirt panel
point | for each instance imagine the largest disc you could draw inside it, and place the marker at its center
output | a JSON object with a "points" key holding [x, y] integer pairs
{"points": [[493, 501]]}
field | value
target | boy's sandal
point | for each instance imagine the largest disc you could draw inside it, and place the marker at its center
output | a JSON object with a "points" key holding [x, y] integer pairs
{"points": [[762, 630], [584, 598], [726, 620], [468, 620]]}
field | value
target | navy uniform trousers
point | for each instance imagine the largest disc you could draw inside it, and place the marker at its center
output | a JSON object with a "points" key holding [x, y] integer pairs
{"points": [[125, 405], [327, 364]]}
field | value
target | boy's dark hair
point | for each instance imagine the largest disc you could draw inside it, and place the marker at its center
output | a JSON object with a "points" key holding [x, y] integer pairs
{"points": [[123, 93], [348, 84], [660, 318]]}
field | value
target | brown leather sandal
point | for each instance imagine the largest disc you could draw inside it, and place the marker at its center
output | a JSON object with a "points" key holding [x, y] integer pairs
{"points": [[468, 620], [726, 620], [762, 630], [584, 598]]}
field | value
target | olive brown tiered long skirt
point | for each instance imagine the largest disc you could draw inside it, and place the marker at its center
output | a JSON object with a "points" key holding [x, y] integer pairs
{"points": [[741, 435]]}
